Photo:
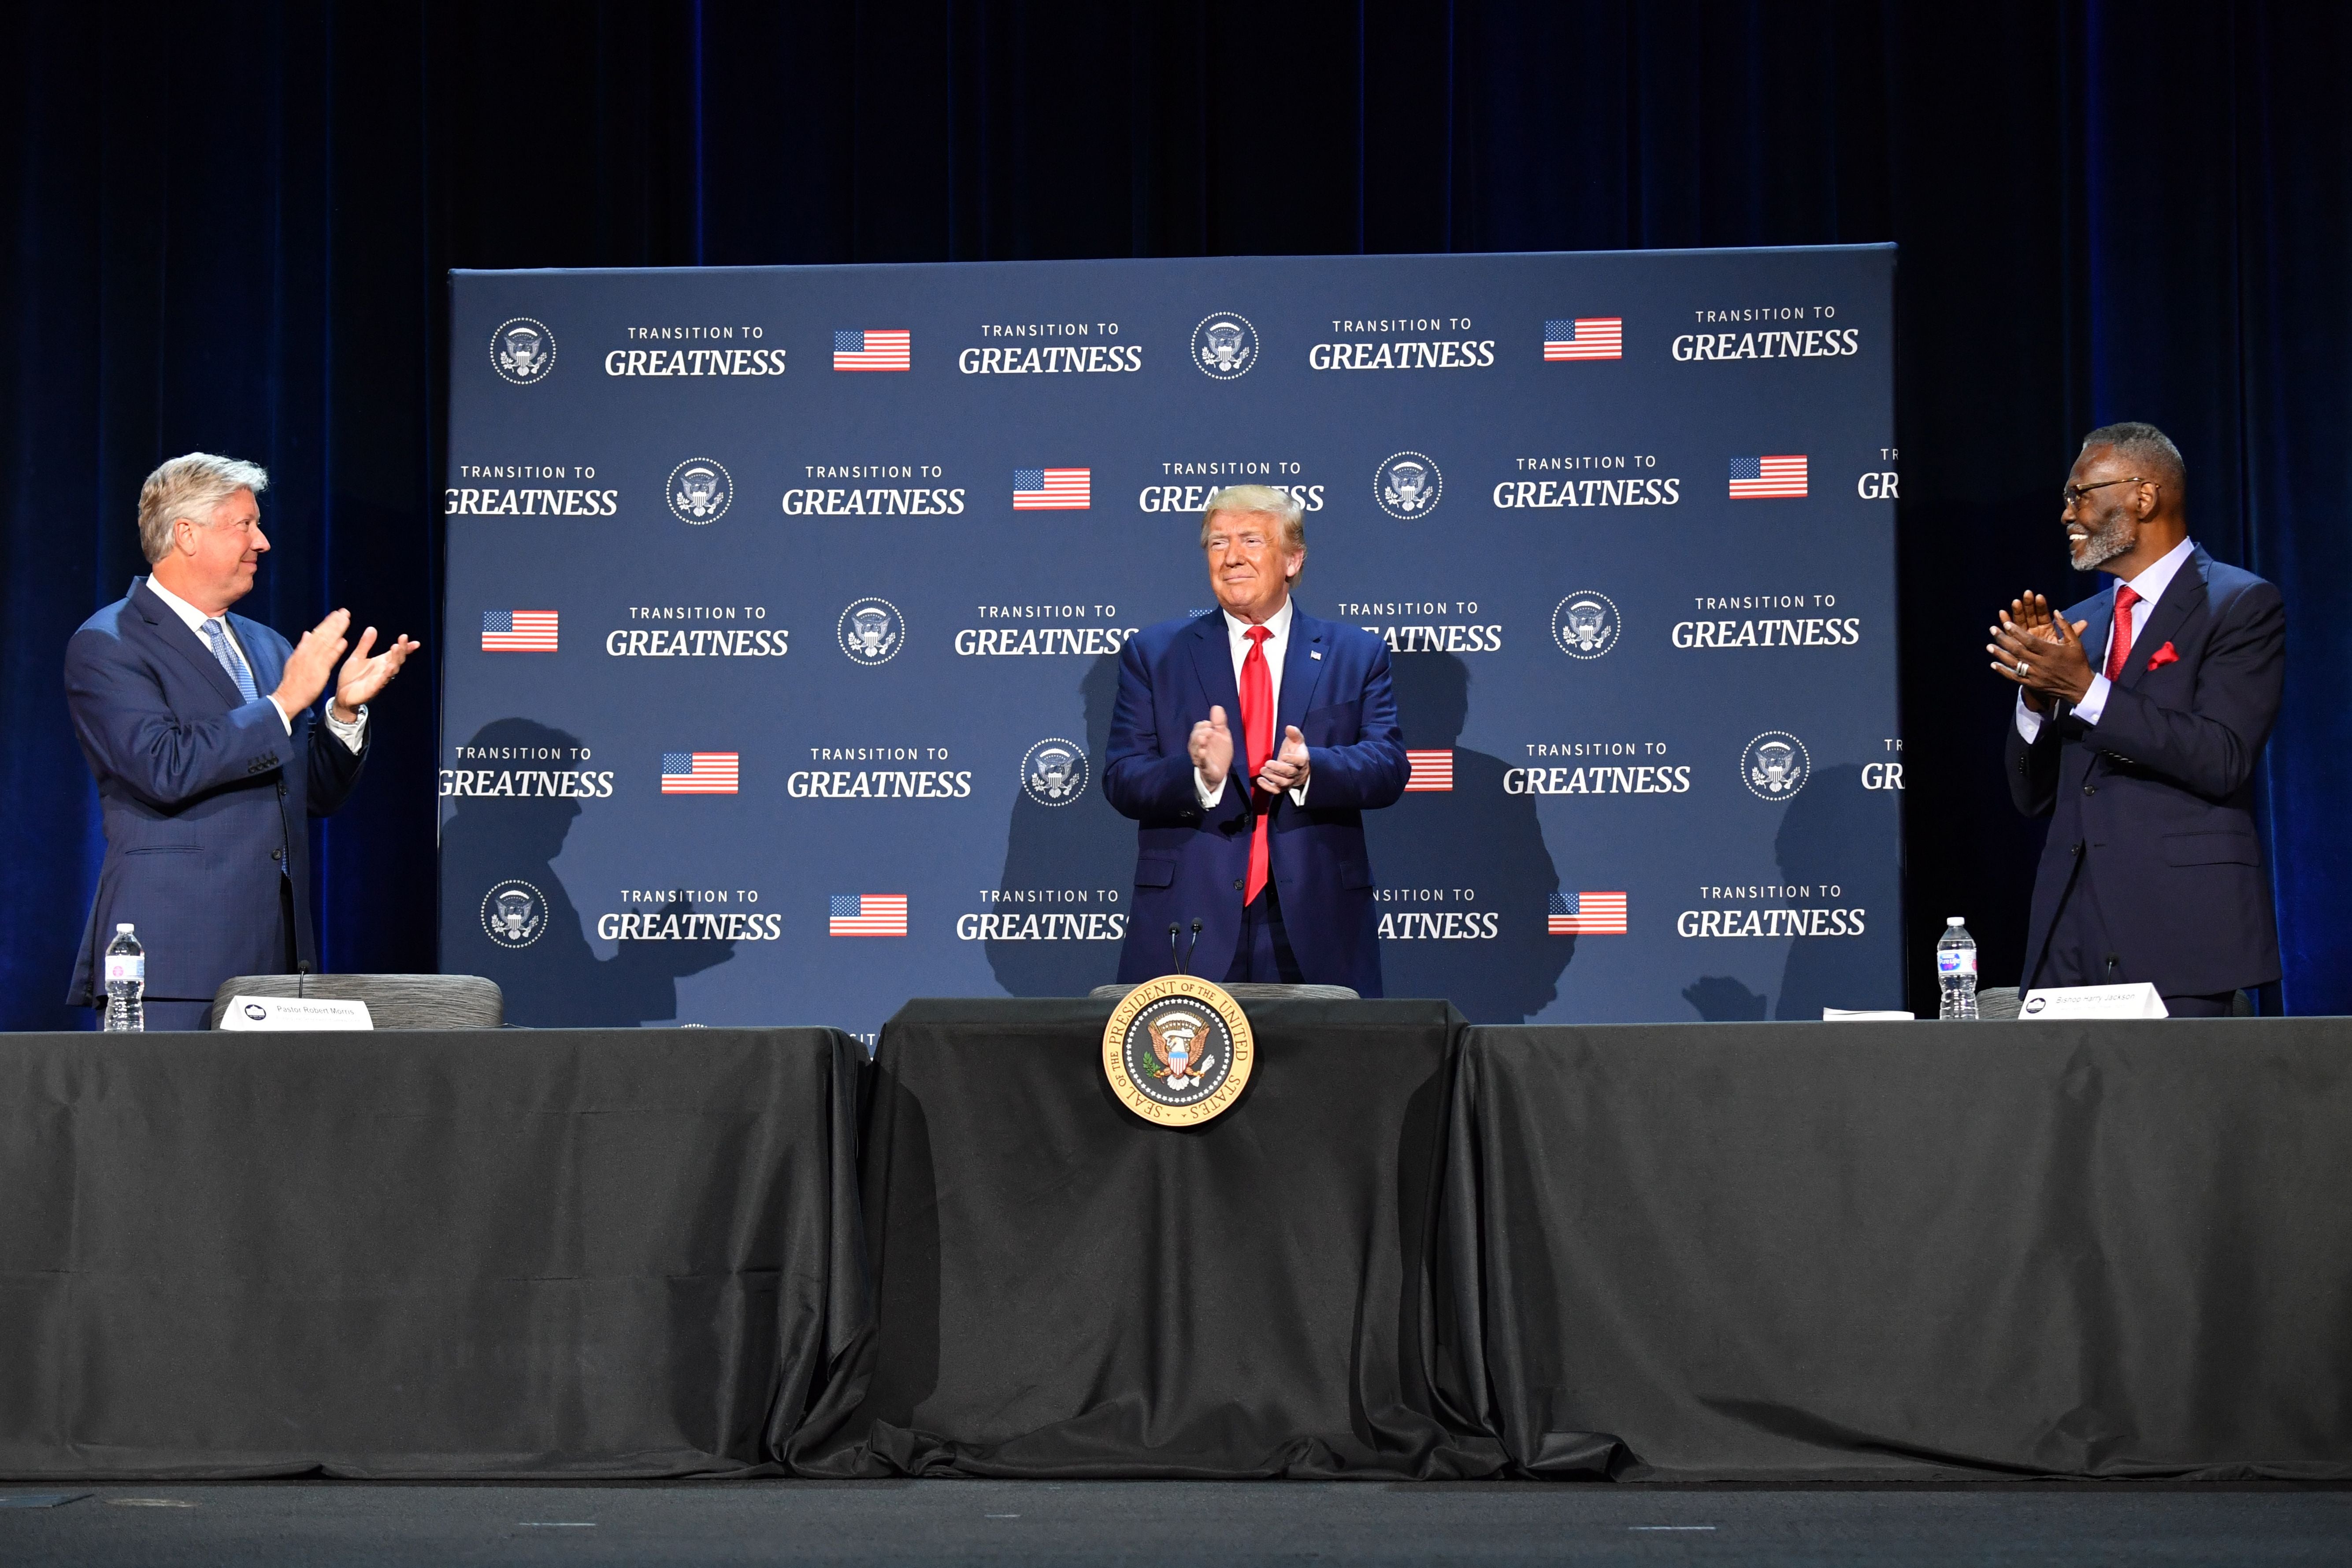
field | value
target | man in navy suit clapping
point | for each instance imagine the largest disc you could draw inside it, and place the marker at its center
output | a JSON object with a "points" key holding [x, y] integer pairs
{"points": [[197, 727], [2141, 713], [1247, 745]]}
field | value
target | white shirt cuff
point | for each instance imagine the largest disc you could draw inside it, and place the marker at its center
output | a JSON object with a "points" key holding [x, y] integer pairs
{"points": [[2095, 700], [353, 735], [1208, 797], [2029, 723], [283, 717]]}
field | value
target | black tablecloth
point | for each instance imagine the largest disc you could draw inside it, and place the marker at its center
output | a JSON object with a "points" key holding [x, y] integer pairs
{"points": [[1065, 1289], [1906, 1250], [519, 1253]]}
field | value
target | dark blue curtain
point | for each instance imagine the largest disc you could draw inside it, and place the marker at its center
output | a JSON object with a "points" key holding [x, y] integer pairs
{"points": [[229, 226]]}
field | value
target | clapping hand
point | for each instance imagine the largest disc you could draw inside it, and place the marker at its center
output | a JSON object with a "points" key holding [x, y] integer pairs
{"points": [[1287, 769], [305, 675], [2040, 652], [363, 677], [1212, 747]]}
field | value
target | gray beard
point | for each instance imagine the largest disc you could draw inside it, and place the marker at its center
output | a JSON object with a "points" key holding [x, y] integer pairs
{"points": [[2097, 550]]}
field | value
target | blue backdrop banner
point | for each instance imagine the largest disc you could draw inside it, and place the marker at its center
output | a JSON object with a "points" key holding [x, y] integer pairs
{"points": [[800, 594]]}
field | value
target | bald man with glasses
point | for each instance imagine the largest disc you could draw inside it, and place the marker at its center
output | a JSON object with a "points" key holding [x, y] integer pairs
{"points": [[2141, 713]]}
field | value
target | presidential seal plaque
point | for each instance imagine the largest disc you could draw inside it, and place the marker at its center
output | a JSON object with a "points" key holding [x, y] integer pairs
{"points": [[1178, 1050]]}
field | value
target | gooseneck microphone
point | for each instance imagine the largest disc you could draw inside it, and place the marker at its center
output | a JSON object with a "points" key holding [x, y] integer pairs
{"points": [[1173, 929], [1193, 944]]}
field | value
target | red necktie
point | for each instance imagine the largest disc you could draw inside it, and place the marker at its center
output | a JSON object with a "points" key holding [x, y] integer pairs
{"points": [[2119, 640], [1257, 742]]}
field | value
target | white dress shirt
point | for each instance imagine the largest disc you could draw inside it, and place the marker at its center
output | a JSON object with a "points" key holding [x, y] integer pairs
{"points": [[1237, 632], [350, 734], [2149, 585]]}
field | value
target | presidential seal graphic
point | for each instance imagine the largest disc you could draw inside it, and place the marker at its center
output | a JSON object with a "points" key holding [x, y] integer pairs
{"points": [[1775, 765], [514, 914], [1585, 623], [1408, 486], [1224, 346], [871, 631], [1055, 772], [522, 350], [1178, 1050], [700, 490]]}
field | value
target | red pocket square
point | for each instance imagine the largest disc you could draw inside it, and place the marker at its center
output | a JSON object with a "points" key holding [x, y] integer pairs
{"points": [[2163, 657]]}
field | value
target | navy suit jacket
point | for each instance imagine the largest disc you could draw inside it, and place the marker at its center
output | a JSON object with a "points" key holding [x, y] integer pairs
{"points": [[2159, 797], [204, 798], [1190, 863]]}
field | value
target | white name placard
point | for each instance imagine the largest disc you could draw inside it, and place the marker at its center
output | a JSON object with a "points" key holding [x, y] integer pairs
{"points": [[2066, 1002], [295, 1013]]}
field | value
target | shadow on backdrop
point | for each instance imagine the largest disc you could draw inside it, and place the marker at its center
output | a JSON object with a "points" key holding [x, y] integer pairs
{"points": [[1083, 846], [1811, 848], [554, 980], [1473, 837], [1723, 999], [1832, 814]]}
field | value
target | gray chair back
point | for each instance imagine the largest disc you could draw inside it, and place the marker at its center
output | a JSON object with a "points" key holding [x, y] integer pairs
{"points": [[1254, 991], [393, 1001]]}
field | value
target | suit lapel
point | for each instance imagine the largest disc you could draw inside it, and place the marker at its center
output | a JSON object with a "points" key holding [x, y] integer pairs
{"points": [[2183, 597], [1301, 670], [173, 633], [1212, 659]]}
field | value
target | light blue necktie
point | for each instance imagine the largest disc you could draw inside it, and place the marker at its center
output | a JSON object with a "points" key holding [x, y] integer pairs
{"points": [[225, 651]]}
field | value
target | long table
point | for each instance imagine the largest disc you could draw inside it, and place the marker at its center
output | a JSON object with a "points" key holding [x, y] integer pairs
{"points": [[511, 1253], [1413, 1249], [1908, 1250]]}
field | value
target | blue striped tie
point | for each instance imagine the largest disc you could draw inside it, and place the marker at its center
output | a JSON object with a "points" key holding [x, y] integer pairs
{"points": [[225, 651]]}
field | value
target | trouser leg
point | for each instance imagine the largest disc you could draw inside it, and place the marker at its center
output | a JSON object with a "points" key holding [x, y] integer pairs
{"points": [[1262, 954]]}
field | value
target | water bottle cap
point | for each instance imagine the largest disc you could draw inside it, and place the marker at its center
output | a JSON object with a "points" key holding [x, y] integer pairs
{"points": [[126, 925], [1952, 920]]}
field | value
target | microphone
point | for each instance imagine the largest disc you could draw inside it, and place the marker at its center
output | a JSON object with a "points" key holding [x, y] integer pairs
{"points": [[1194, 943], [1173, 928]]}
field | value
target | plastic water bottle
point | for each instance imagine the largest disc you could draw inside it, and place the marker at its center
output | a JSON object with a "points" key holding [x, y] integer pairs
{"points": [[126, 982], [1955, 971]]}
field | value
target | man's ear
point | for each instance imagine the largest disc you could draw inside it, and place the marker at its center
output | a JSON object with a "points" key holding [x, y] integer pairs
{"points": [[1297, 564]]}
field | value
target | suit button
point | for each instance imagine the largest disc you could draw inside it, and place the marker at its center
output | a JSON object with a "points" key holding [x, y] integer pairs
{"points": [[2090, 789], [2078, 849], [278, 853], [1237, 884]]}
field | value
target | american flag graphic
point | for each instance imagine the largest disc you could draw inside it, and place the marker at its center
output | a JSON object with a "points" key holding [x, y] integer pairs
{"points": [[1587, 337], [870, 348], [1052, 489], [1588, 914], [518, 631], [1753, 479], [1430, 771], [868, 914], [698, 772]]}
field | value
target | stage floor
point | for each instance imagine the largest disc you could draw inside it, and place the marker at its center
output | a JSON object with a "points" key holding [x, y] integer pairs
{"points": [[941, 1523]]}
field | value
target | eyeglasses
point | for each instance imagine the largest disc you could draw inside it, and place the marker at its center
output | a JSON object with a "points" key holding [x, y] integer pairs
{"points": [[2074, 493]]}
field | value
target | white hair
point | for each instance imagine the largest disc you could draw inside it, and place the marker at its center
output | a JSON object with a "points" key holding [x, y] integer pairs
{"points": [[190, 486], [1255, 501]]}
